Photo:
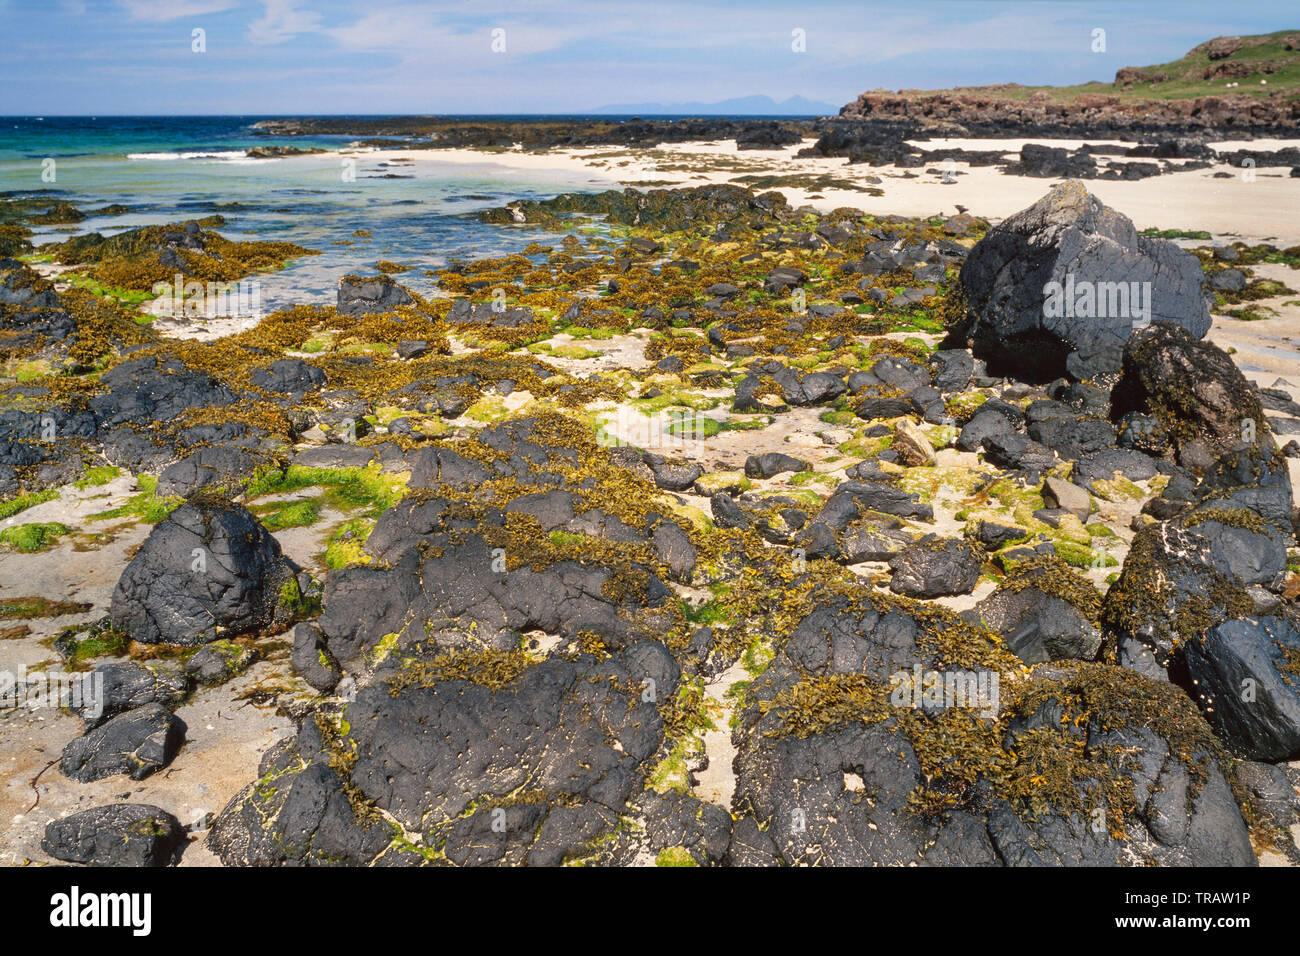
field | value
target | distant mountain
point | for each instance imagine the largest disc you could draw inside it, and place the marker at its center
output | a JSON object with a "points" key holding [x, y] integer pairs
{"points": [[739, 106]]}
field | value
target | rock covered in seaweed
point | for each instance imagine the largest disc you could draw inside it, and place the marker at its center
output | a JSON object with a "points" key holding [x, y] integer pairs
{"points": [[361, 294], [1196, 392]]}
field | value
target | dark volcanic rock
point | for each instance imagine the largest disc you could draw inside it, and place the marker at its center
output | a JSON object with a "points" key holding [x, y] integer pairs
{"points": [[934, 567], [1068, 434], [1069, 238], [1171, 586], [773, 463], [218, 662], [463, 312], [726, 513], [121, 834], [673, 474], [1038, 625], [1247, 678], [137, 742], [358, 295], [1193, 388], [446, 582], [836, 789], [1255, 478], [447, 756], [290, 376], [1016, 452], [302, 815], [953, 369], [312, 660], [126, 686], [851, 498], [984, 425], [149, 390], [205, 571], [211, 468]]}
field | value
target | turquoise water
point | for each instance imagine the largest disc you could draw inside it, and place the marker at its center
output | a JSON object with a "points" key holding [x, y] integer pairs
{"points": [[170, 169]]}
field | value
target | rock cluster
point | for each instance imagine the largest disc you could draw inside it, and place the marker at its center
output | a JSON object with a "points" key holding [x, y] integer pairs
{"points": [[863, 598]]}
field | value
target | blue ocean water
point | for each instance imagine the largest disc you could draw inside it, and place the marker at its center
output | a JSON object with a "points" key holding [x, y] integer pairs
{"points": [[167, 169]]}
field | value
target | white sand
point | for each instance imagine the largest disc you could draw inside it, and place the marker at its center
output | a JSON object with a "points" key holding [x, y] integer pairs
{"points": [[1260, 209]]}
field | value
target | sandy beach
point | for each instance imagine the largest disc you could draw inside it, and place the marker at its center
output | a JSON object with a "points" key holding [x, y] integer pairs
{"points": [[1252, 209]]}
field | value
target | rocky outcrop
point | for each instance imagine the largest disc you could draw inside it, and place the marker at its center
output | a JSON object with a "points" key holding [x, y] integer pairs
{"points": [[1062, 285], [208, 570], [1203, 403]]}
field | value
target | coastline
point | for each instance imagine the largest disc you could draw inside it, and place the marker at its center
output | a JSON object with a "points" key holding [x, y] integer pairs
{"points": [[1192, 200]]}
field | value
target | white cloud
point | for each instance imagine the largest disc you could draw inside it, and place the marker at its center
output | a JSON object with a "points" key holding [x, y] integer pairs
{"points": [[281, 20], [161, 11]]}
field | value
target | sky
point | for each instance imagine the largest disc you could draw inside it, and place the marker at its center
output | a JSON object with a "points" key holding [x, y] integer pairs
{"points": [[269, 57]]}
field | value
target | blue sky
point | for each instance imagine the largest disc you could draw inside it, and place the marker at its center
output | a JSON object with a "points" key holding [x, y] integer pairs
{"points": [[401, 56]]}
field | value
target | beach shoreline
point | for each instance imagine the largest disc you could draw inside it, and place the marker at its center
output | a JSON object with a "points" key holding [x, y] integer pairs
{"points": [[1251, 205]]}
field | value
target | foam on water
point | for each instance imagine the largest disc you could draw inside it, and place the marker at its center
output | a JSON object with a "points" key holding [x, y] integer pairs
{"points": [[171, 169]]}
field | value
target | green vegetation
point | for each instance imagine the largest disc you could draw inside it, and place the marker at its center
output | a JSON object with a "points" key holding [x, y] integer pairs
{"points": [[347, 489], [21, 503], [26, 608], [675, 856], [33, 537], [100, 475], [145, 504], [295, 515]]}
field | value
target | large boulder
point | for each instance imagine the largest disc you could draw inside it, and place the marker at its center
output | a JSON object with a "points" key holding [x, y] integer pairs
{"points": [[121, 834], [148, 390], [488, 757], [1098, 766], [1051, 288], [209, 570], [1196, 392]]}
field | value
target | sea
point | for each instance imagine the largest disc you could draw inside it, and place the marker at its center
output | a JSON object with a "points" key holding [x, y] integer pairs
{"points": [[169, 169]]}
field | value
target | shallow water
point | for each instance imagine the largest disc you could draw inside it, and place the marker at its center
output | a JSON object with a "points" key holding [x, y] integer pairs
{"points": [[167, 170]]}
